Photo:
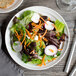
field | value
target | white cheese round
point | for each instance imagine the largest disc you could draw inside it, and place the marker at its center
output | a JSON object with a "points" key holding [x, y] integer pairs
{"points": [[36, 37], [35, 18], [49, 48], [17, 47], [49, 25]]}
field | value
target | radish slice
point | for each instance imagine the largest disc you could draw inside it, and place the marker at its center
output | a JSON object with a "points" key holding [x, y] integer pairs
{"points": [[17, 47], [35, 18], [49, 25], [51, 50]]}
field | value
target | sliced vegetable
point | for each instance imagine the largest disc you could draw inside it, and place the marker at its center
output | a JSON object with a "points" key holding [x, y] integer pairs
{"points": [[51, 50], [16, 46]]}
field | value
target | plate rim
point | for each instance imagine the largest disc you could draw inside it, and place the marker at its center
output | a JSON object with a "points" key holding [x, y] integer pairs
{"points": [[67, 44]]}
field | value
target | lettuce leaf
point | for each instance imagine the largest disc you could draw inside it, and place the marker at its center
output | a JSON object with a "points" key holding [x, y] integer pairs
{"points": [[40, 50], [26, 17], [36, 61], [26, 13], [60, 26], [17, 27], [49, 57]]}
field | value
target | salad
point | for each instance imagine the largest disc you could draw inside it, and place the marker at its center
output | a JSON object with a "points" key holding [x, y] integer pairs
{"points": [[36, 37]]}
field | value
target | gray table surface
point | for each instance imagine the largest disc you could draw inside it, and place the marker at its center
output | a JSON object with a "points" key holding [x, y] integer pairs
{"points": [[70, 18]]}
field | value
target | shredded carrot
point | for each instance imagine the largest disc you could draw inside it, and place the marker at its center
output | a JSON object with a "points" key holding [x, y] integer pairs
{"points": [[60, 49], [33, 24], [44, 34], [17, 35], [23, 39], [21, 33], [44, 64], [36, 53], [34, 34], [43, 20], [31, 51], [28, 44], [39, 37], [25, 44], [43, 61], [40, 43], [28, 33], [48, 19], [56, 29], [54, 59], [49, 60], [45, 39], [39, 65], [43, 46], [16, 32], [51, 50], [38, 27], [40, 21]]}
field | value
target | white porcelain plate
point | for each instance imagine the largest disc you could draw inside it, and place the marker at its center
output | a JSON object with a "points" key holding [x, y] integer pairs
{"points": [[53, 16], [12, 7]]}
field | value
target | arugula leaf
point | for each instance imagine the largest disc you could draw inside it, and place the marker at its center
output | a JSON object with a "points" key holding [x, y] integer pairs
{"points": [[58, 53], [25, 58]]}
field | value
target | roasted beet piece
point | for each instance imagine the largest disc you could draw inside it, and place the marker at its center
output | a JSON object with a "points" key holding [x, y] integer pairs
{"points": [[30, 27], [33, 44], [42, 31], [15, 20]]}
